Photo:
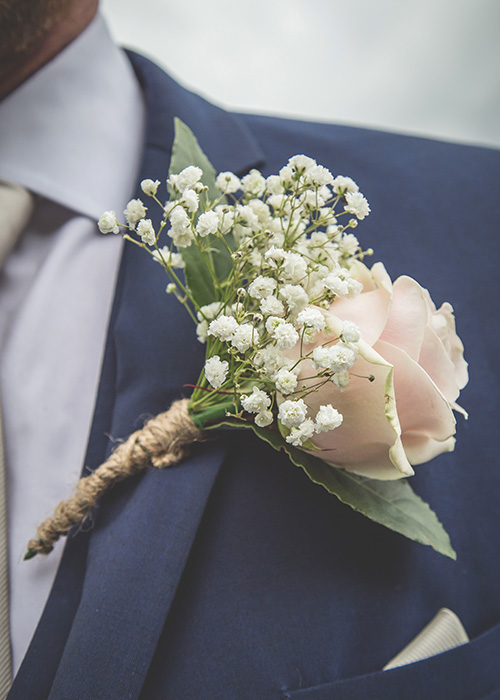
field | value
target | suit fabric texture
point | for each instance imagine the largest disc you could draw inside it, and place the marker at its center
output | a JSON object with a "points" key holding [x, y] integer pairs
{"points": [[232, 575]]}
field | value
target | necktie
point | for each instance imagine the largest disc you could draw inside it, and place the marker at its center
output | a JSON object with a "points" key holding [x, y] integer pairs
{"points": [[16, 205]]}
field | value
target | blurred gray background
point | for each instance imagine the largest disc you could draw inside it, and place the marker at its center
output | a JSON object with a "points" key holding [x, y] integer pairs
{"points": [[426, 67]]}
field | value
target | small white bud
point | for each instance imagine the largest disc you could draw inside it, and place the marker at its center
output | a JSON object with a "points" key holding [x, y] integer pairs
{"points": [[328, 418], [350, 332], [134, 212], [108, 223], [264, 418], [150, 187]]}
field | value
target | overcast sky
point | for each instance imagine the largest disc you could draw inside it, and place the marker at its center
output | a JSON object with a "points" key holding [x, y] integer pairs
{"points": [[428, 67]]}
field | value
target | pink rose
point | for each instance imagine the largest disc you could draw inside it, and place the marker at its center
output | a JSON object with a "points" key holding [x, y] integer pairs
{"points": [[404, 417]]}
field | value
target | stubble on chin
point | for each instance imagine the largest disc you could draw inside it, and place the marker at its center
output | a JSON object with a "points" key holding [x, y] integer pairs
{"points": [[24, 22]]}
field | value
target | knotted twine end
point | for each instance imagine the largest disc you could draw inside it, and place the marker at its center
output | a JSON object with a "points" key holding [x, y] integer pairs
{"points": [[161, 443]]}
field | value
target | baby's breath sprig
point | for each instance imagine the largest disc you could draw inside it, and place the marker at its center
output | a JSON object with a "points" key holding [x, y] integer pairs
{"points": [[290, 258]]}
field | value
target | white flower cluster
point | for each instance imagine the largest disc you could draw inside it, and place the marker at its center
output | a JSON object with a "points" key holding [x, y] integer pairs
{"points": [[258, 402], [240, 335], [216, 371], [293, 414], [135, 216], [268, 330], [292, 260]]}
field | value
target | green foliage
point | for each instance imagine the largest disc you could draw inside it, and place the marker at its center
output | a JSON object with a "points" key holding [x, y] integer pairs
{"points": [[187, 151], [393, 504]]}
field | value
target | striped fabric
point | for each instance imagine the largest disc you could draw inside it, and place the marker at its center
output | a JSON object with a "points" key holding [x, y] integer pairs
{"points": [[5, 657], [444, 632], [16, 205]]}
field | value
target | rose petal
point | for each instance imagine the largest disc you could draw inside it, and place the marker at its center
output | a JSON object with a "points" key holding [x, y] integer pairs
{"points": [[372, 278], [421, 448], [370, 310], [368, 441], [407, 320], [381, 277], [434, 359], [422, 408], [443, 323], [363, 274]]}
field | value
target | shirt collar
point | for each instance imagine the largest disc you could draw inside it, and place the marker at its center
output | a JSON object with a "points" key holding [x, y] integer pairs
{"points": [[74, 131]]}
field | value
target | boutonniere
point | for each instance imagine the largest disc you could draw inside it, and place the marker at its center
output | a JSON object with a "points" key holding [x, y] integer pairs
{"points": [[353, 376]]}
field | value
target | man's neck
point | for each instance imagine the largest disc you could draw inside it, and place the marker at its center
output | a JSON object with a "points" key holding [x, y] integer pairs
{"points": [[21, 66]]}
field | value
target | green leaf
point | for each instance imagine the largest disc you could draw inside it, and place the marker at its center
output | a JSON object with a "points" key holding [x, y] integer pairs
{"points": [[187, 151], [393, 504], [198, 276]]}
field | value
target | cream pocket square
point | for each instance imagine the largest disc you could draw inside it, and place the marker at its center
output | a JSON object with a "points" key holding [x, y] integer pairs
{"points": [[444, 632]]}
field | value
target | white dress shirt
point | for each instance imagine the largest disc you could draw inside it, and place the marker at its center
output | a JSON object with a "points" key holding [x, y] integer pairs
{"points": [[73, 135]]}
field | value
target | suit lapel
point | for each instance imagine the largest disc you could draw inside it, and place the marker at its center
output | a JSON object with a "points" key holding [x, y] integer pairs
{"points": [[117, 581]]}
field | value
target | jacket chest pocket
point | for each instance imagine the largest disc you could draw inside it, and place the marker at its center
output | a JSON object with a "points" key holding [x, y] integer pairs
{"points": [[468, 672]]}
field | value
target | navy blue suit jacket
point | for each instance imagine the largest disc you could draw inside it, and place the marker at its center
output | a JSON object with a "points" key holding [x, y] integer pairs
{"points": [[233, 576]]}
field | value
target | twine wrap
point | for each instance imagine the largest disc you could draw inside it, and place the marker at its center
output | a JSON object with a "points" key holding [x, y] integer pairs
{"points": [[161, 443]]}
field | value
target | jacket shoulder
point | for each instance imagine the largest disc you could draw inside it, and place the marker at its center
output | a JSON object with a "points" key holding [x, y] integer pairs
{"points": [[361, 148]]}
